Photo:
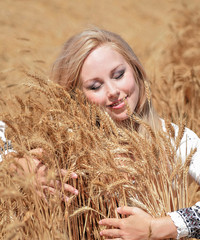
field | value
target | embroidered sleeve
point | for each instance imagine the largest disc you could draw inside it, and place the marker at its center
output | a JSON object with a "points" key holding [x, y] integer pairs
{"points": [[6, 147], [191, 218], [182, 230]]}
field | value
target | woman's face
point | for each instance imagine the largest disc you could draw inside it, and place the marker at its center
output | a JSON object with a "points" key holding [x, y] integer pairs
{"points": [[107, 80]]}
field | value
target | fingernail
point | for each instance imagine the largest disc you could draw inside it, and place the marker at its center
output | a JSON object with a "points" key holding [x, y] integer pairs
{"points": [[74, 175], [101, 233], [76, 192], [100, 222], [119, 208], [66, 199]]}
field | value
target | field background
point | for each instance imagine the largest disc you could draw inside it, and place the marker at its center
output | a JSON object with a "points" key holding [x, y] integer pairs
{"points": [[33, 31], [163, 33]]}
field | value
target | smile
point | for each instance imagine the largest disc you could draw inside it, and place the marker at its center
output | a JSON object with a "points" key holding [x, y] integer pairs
{"points": [[118, 104]]}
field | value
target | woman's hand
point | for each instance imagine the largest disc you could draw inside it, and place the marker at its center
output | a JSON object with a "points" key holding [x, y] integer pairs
{"points": [[136, 226], [139, 225], [32, 164]]}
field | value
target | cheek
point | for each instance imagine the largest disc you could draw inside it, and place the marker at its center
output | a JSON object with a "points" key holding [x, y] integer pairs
{"points": [[136, 91], [95, 98], [131, 86]]}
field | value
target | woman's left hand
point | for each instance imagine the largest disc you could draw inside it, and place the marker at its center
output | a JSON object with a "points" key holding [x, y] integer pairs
{"points": [[136, 226]]}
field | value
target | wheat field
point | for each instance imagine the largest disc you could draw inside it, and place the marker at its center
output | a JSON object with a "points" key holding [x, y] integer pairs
{"points": [[79, 136]]}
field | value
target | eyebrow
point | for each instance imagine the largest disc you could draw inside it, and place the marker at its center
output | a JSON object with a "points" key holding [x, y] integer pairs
{"points": [[111, 73], [92, 79]]}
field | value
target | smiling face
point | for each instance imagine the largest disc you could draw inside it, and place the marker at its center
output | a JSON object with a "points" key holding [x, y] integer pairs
{"points": [[107, 80]]}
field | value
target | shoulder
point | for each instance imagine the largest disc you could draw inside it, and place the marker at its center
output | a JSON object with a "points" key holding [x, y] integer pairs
{"points": [[189, 141], [189, 137]]}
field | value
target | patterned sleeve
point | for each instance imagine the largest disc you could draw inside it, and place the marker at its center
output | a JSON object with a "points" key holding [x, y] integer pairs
{"points": [[187, 221], [6, 144]]}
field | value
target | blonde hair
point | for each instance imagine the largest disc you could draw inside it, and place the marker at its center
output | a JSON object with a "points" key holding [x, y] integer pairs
{"points": [[67, 67]]}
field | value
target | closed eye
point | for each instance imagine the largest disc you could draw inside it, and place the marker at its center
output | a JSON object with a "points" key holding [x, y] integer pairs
{"points": [[119, 74], [94, 86]]}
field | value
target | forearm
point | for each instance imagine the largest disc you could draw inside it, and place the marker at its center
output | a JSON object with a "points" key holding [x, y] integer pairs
{"points": [[162, 228], [181, 223]]}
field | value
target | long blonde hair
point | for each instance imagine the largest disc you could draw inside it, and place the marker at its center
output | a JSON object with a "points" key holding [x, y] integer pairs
{"points": [[67, 67]]}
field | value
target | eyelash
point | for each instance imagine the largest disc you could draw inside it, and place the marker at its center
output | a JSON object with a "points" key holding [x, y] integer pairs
{"points": [[121, 74], [94, 88]]}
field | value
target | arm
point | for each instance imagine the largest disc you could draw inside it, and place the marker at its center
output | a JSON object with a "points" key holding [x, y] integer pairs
{"points": [[187, 221], [139, 225]]}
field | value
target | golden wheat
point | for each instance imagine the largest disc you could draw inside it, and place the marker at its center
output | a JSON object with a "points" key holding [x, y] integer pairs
{"points": [[81, 137]]}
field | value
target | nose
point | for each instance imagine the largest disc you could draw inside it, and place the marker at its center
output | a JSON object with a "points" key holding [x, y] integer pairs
{"points": [[112, 91]]}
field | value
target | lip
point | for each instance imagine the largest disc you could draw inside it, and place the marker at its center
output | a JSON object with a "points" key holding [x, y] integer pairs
{"points": [[118, 104]]}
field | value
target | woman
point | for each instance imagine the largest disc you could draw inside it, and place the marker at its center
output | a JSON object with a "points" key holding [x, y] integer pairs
{"points": [[104, 66]]}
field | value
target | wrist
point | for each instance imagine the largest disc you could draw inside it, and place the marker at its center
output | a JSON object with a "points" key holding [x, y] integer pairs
{"points": [[162, 228]]}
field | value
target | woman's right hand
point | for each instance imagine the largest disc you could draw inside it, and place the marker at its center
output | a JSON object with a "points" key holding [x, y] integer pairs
{"points": [[31, 164]]}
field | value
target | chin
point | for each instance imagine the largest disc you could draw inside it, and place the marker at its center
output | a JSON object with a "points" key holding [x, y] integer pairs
{"points": [[120, 118]]}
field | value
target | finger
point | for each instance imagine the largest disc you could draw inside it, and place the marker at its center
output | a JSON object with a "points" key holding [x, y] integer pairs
{"points": [[71, 189], [67, 187], [48, 189], [38, 152], [53, 183], [111, 233], [53, 192], [43, 191], [73, 175], [24, 164], [126, 210], [110, 222], [65, 172], [40, 169], [41, 195]]}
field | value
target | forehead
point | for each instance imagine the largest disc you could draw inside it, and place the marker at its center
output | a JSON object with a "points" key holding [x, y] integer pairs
{"points": [[103, 58], [101, 53]]}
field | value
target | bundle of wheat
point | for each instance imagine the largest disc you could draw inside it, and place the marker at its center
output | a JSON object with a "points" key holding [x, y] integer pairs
{"points": [[116, 166]]}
